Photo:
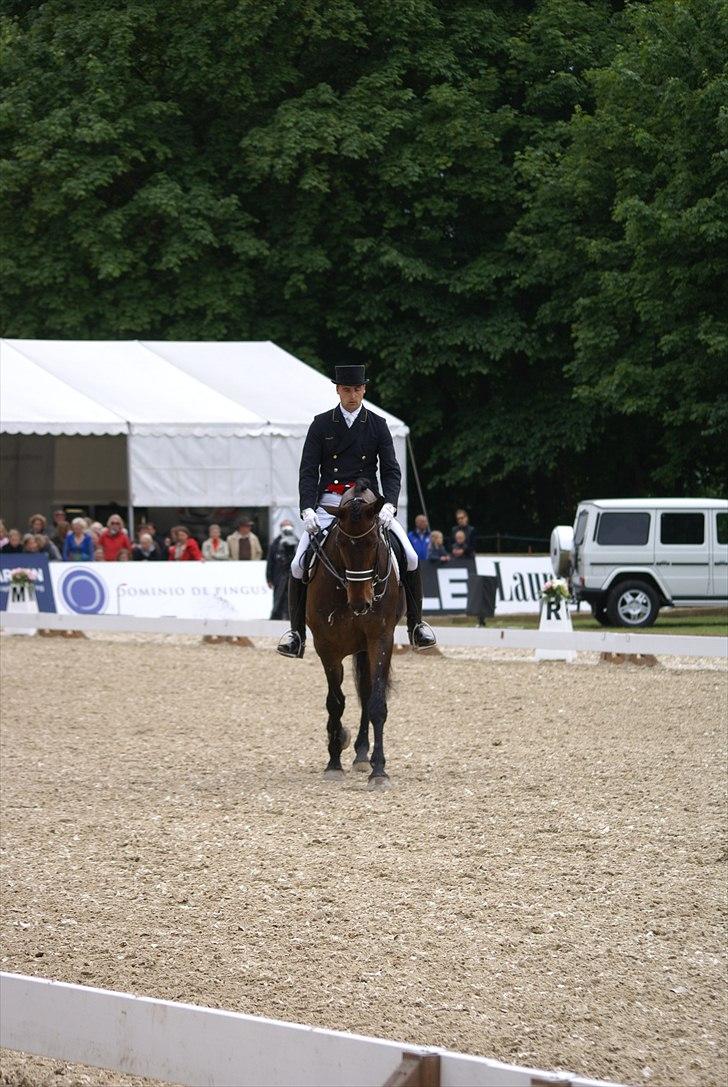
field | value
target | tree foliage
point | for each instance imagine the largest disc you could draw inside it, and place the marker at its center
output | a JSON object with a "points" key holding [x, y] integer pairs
{"points": [[514, 213]]}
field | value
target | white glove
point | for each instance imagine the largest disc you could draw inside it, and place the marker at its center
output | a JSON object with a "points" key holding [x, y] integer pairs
{"points": [[311, 522], [387, 514]]}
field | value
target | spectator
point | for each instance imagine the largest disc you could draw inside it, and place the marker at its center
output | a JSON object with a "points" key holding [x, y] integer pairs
{"points": [[78, 545], [45, 547], [99, 555], [95, 528], [37, 524], [146, 550], [214, 548], [419, 536], [113, 538], [158, 537], [60, 531], [244, 544], [280, 556], [14, 543], [463, 525], [461, 549], [184, 549], [3, 535], [30, 543], [437, 552], [124, 555]]}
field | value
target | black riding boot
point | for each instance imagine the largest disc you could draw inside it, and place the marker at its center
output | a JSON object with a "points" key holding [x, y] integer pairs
{"points": [[293, 642], [421, 635]]}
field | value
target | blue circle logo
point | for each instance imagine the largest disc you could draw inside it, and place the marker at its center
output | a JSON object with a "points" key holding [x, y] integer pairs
{"points": [[84, 592]]}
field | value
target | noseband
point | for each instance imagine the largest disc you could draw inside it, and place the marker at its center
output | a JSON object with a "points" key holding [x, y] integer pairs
{"points": [[357, 576]]}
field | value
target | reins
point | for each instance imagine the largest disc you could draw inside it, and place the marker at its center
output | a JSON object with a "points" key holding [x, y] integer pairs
{"points": [[369, 574]]}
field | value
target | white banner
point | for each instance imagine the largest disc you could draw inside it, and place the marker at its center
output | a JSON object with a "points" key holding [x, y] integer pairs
{"points": [[238, 590], [184, 590], [519, 579]]}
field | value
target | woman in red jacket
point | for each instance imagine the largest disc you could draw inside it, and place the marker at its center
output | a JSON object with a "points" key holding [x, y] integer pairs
{"points": [[184, 549]]}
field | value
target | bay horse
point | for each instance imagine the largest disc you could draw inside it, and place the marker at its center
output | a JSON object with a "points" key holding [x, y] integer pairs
{"points": [[354, 602]]}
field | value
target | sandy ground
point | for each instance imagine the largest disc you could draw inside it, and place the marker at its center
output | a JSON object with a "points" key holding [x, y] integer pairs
{"points": [[545, 884]]}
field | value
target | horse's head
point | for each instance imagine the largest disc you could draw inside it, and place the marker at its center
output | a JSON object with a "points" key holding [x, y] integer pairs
{"points": [[357, 539]]}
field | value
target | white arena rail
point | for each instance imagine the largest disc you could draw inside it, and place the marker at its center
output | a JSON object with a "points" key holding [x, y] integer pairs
{"points": [[205, 1047], [596, 641]]}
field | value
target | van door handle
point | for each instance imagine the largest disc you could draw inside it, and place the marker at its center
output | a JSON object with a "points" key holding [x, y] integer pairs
{"points": [[668, 564]]}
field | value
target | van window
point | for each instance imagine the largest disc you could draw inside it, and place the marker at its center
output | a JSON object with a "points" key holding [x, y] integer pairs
{"points": [[580, 530], [682, 528], [721, 527], [623, 529]]}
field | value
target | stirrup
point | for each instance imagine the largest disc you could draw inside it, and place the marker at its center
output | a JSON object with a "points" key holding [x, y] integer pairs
{"points": [[422, 636], [291, 645]]}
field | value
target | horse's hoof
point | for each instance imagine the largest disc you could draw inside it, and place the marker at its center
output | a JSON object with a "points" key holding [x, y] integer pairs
{"points": [[345, 738], [362, 765], [380, 783], [334, 775]]}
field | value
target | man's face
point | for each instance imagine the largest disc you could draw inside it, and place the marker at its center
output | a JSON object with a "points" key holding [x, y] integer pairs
{"points": [[244, 530], [114, 525], [461, 517], [351, 396], [421, 522]]}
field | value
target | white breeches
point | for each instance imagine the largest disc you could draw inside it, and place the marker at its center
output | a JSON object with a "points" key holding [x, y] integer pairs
{"points": [[326, 519]]}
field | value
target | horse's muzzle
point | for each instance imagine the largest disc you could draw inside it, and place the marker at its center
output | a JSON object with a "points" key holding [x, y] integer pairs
{"points": [[361, 609]]}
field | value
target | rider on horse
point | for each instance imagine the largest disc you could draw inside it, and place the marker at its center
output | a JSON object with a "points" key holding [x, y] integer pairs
{"points": [[341, 446]]}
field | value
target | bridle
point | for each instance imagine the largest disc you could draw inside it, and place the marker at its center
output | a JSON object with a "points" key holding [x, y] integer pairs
{"points": [[356, 576]]}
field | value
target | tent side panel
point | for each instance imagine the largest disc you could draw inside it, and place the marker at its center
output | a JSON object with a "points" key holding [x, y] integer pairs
{"points": [[207, 470]]}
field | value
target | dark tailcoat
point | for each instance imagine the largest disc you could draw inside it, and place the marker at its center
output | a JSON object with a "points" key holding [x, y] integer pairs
{"points": [[336, 453]]}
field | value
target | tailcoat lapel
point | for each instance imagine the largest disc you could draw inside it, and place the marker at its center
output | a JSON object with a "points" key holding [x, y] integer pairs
{"points": [[346, 435]]}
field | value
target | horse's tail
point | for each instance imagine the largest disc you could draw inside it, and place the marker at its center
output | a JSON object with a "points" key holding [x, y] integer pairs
{"points": [[361, 672]]}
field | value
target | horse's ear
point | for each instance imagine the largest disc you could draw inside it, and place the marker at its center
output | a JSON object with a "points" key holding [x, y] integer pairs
{"points": [[377, 505], [333, 511]]}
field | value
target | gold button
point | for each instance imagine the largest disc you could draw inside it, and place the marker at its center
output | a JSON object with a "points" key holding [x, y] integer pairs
{"points": [[335, 455], [364, 456]]}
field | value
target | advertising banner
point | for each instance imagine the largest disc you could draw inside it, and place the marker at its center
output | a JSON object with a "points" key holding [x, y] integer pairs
{"points": [[42, 586], [184, 590], [519, 579], [238, 590]]}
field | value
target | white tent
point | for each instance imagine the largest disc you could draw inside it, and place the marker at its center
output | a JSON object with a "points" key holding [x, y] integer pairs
{"points": [[205, 424]]}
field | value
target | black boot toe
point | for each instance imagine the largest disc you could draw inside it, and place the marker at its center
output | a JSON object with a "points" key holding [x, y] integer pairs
{"points": [[423, 636]]}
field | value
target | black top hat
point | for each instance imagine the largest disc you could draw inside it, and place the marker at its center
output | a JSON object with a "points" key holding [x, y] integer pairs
{"points": [[350, 375]]}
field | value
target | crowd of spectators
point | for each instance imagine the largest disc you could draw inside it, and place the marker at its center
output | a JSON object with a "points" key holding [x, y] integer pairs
{"points": [[85, 540], [431, 546]]}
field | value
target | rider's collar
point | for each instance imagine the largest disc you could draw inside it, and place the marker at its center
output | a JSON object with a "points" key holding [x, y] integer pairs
{"points": [[350, 416]]}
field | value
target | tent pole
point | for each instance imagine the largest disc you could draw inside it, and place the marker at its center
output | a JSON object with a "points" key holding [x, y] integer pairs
{"points": [[129, 507], [417, 478]]}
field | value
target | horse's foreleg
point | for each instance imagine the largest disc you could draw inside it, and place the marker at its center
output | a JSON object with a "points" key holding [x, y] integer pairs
{"points": [[364, 688], [335, 702], [380, 656]]}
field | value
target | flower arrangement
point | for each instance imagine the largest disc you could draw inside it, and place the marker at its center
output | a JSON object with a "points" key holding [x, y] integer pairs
{"points": [[556, 588], [23, 576]]}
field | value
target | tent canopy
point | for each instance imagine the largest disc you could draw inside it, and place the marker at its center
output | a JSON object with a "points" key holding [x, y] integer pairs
{"points": [[207, 424]]}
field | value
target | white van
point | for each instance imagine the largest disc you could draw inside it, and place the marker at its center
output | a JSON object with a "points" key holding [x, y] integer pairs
{"points": [[629, 557]]}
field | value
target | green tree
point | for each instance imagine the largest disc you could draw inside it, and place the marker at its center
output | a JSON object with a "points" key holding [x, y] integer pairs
{"points": [[627, 235]]}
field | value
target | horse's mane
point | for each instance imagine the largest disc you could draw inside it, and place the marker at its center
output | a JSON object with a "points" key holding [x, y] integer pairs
{"points": [[358, 496]]}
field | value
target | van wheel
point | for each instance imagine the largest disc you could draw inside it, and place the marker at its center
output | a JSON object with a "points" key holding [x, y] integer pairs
{"points": [[632, 604], [599, 612]]}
